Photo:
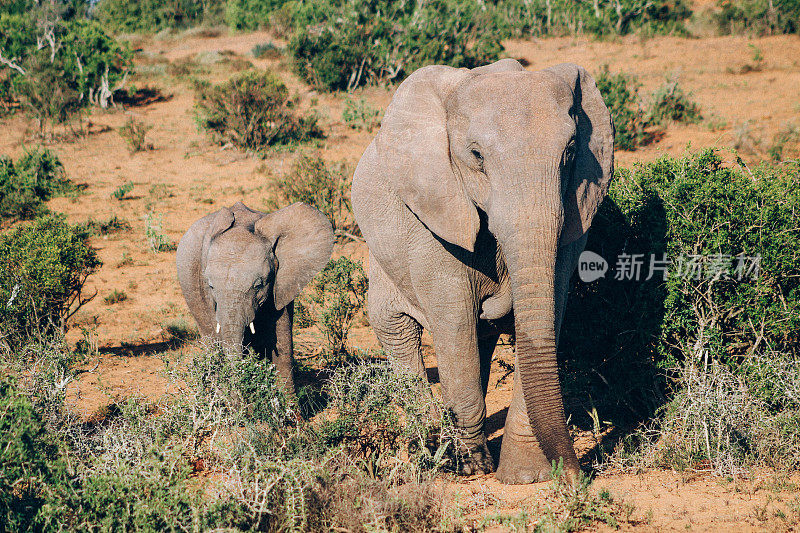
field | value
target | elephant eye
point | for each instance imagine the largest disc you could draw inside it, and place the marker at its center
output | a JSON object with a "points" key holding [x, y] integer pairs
{"points": [[259, 284], [569, 153], [478, 158]]}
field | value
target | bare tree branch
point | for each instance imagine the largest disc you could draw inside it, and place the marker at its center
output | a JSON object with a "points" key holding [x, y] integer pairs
{"points": [[11, 64]]}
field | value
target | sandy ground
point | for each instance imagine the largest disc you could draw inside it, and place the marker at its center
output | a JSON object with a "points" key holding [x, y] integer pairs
{"points": [[186, 175]]}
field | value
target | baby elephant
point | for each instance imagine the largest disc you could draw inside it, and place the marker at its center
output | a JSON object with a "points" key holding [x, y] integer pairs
{"points": [[240, 271]]}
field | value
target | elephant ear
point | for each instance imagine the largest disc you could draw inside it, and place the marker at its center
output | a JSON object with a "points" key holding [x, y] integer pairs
{"points": [[414, 151], [303, 241], [594, 152], [221, 222]]}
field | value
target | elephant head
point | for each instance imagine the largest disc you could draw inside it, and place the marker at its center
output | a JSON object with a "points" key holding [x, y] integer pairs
{"points": [[534, 152], [239, 268]]}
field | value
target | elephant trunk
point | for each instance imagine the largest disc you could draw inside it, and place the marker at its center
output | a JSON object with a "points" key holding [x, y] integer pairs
{"points": [[233, 319], [527, 226]]}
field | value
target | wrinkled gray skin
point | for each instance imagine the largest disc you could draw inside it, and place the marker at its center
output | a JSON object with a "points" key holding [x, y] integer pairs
{"points": [[475, 198], [238, 267]]}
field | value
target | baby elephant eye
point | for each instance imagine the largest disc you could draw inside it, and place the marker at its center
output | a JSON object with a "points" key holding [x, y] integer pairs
{"points": [[477, 155]]}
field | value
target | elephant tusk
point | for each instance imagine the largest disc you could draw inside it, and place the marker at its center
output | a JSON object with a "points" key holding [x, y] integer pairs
{"points": [[252, 328], [217, 327]]}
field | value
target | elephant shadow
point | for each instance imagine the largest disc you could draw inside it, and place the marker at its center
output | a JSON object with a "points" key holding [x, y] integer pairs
{"points": [[608, 350]]}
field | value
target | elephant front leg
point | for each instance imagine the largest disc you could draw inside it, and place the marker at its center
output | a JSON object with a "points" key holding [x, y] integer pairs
{"points": [[521, 458], [462, 390], [282, 354]]}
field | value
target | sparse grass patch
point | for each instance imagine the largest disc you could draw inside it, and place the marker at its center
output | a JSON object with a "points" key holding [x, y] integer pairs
{"points": [[785, 143], [125, 260], [156, 240], [115, 297], [253, 111], [360, 115], [133, 132], [744, 140], [180, 330], [267, 51], [113, 224], [122, 191]]}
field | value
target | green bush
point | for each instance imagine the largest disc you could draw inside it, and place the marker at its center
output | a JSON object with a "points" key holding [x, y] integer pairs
{"points": [[620, 93], [33, 471], [250, 14], [669, 103], [382, 409], [340, 292], [133, 132], [267, 51], [316, 183], [25, 185], [253, 110], [43, 267], [639, 124], [359, 115], [151, 16], [343, 45], [708, 218], [523, 18], [758, 16]]}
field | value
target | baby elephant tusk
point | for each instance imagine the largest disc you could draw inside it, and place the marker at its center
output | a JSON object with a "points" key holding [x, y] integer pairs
{"points": [[217, 327], [252, 328]]}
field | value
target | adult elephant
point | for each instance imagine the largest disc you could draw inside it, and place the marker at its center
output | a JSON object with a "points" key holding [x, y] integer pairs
{"points": [[475, 198]]}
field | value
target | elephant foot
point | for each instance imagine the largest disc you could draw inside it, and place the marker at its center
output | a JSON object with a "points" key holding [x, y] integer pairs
{"points": [[476, 460], [522, 461]]}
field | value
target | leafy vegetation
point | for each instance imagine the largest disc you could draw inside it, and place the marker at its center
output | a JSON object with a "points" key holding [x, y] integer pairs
{"points": [[267, 51], [359, 115], [113, 224], [639, 122], [250, 14], [253, 110], [131, 466], [316, 183], [561, 17], [43, 267], [730, 298], [761, 17], [152, 15], [340, 292], [153, 233], [25, 185], [121, 192], [340, 46], [620, 93], [57, 61], [669, 103]]}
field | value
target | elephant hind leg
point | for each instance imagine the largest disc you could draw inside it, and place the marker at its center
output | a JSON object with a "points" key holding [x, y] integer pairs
{"points": [[399, 334]]}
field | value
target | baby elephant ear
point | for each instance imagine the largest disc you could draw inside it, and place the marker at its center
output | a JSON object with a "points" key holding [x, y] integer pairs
{"points": [[303, 240], [594, 152], [220, 223]]}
